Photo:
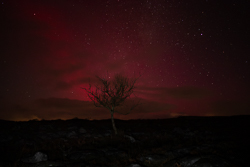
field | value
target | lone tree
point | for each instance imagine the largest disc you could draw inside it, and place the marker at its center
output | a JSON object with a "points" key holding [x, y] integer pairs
{"points": [[112, 93]]}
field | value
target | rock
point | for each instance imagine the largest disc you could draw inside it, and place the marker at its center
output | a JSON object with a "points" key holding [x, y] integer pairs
{"points": [[38, 157], [72, 128], [96, 136], [210, 161], [171, 154], [114, 153], [85, 155], [50, 163], [183, 151], [53, 135], [132, 140], [139, 134], [189, 160], [72, 134], [178, 130], [134, 165], [73, 145], [5, 138], [87, 135], [153, 160], [107, 134], [46, 127], [198, 161], [62, 133], [82, 130], [186, 133], [89, 155]]}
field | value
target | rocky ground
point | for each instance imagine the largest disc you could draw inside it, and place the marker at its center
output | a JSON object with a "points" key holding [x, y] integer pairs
{"points": [[177, 142]]}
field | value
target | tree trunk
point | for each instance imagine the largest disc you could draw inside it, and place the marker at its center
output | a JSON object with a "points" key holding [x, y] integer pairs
{"points": [[113, 122]]}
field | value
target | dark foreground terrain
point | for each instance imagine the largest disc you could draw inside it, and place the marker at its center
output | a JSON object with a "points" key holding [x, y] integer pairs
{"points": [[177, 142]]}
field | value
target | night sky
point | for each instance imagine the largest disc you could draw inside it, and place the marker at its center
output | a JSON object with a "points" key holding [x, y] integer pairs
{"points": [[193, 57]]}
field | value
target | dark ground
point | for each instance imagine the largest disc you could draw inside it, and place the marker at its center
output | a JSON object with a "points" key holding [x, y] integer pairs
{"points": [[180, 142]]}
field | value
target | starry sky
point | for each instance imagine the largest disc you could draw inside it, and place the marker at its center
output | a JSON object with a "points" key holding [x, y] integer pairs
{"points": [[193, 57]]}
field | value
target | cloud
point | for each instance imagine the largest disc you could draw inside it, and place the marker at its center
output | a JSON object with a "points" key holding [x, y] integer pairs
{"points": [[177, 93], [230, 107], [16, 112], [63, 72], [187, 92], [52, 108], [77, 108], [63, 108], [144, 106]]}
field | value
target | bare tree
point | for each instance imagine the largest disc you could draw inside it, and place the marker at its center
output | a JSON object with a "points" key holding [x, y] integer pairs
{"points": [[112, 93]]}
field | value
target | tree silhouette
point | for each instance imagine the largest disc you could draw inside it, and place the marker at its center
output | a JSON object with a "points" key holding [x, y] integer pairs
{"points": [[112, 93]]}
